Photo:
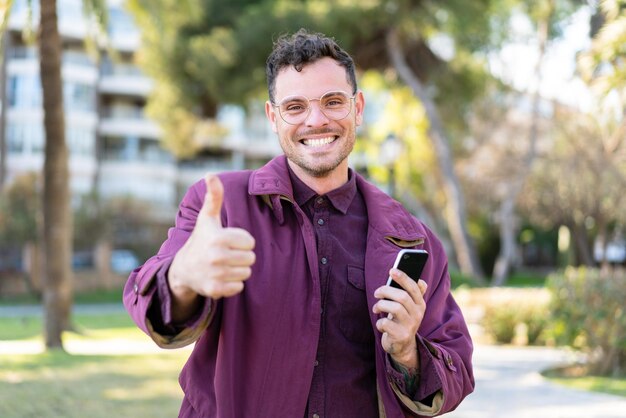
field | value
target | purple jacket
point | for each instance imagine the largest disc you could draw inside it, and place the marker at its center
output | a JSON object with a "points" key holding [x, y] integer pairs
{"points": [[255, 351]]}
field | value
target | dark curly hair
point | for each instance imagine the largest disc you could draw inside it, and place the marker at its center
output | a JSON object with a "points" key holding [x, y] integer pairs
{"points": [[301, 48]]}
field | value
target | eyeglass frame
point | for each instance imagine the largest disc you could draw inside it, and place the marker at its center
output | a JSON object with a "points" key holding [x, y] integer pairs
{"points": [[309, 107]]}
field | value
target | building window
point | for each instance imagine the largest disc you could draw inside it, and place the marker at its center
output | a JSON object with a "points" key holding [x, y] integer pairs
{"points": [[80, 140], [15, 143], [24, 138], [115, 148], [150, 151], [121, 25], [79, 96], [24, 91]]}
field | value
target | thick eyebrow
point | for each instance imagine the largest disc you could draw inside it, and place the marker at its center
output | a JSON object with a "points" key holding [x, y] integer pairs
{"points": [[335, 93], [293, 99], [301, 96]]}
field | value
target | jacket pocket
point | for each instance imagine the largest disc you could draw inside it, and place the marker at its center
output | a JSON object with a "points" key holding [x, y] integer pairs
{"points": [[355, 320]]}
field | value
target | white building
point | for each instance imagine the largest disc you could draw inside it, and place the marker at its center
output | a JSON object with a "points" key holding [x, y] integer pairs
{"points": [[114, 148]]}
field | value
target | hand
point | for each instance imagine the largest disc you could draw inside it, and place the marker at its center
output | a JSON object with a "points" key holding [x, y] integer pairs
{"points": [[215, 261], [405, 310]]}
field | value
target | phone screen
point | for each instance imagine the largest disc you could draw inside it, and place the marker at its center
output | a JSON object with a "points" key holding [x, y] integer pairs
{"points": [[411, 262]]}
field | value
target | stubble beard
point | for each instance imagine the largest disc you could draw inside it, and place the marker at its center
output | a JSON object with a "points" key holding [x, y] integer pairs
{"points": [[318, 167]]}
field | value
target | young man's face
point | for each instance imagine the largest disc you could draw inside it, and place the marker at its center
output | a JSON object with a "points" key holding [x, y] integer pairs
{"points": [[318, 146]]}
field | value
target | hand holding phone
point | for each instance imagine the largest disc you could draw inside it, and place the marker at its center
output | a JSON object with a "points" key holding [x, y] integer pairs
{"points": [[411, 262]]}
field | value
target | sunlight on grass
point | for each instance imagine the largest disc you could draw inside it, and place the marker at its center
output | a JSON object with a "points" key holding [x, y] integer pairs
{"points": [[614, 386], [92, 326], [77, 386], [112, 383]]}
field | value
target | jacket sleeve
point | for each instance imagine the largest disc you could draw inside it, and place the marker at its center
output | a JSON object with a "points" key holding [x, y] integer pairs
{"points": [[444, 346], [146, 293]]}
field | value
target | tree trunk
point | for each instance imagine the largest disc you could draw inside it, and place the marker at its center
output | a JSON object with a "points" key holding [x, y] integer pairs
{"points": [[415, 206], [508, 218], [5, 13], [508, 244], [57, 295], [582, 244], [455, 207]]}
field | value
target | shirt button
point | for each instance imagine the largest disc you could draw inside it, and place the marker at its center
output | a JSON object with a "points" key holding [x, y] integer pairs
{"points": [[135, 288], [324, 260], [320, 221], [317, 363], [316, 416], [320, 200]]}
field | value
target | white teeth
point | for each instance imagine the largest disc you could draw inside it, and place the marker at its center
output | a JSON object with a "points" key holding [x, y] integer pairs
{"points": [[318, 142]]}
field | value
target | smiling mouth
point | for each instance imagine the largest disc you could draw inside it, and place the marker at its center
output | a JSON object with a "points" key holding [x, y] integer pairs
{"points": [[318, 142]]}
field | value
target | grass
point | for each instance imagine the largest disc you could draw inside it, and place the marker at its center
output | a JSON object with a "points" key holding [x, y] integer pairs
{"points": [[97, 296], [118, 325], [611, 385], [518, 279], [57, 384], [527, 279]]}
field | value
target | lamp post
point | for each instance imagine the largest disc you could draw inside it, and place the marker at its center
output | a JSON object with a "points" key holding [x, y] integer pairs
{"points": [[390, 150]]}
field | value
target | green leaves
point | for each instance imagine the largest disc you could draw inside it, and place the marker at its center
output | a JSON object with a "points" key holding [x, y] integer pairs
{"points": [[202, 53], [588, 310]]}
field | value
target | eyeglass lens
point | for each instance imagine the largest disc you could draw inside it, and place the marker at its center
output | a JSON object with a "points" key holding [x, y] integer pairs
{"points": [[335, 105]]}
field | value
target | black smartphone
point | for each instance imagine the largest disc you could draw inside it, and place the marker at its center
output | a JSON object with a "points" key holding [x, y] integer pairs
{"points": [[411, 262]]}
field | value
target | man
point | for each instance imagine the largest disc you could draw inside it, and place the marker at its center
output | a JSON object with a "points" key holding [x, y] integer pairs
{"points": [[279, 274]]}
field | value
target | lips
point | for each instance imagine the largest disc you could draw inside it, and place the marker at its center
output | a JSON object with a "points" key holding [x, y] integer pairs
{"points": [[318, 142]]}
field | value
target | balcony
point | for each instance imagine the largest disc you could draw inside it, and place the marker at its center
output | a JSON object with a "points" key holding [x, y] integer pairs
{"points": [[124, 80], [154, 183], [127, 121]]}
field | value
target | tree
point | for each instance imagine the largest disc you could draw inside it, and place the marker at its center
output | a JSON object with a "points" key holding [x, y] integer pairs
{"points": [[544, 15], [57, 295], [455, 209], [20, 209], [20, 223], [5, 12], [603, 66], [579, 181], [206, 53]]}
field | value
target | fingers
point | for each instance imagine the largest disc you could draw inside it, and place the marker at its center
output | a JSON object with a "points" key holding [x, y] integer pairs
{"points": [[235, 238], [409, 284], [231, 258], [222, 289], [403, 307], [212, 206], [394, 329]]}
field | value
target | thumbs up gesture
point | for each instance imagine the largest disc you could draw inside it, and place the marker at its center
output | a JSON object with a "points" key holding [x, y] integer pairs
{"points": [[215, 261]]}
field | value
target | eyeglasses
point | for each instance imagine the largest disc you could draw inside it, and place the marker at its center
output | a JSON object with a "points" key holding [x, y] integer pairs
{"points": [[335, 105]]}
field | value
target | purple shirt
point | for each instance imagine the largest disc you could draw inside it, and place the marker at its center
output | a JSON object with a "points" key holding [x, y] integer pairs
{"points": [[345, 363], [255, 352]]}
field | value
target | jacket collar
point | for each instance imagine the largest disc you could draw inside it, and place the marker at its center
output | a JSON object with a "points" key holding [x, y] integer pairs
{"points": [[272, 178], [385, 215]]}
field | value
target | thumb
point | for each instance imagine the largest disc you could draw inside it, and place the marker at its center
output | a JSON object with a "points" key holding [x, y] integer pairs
{"points": [[213, 199]]}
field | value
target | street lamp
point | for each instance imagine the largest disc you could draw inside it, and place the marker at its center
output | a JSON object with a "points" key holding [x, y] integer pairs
{"points": [[390, 150]]}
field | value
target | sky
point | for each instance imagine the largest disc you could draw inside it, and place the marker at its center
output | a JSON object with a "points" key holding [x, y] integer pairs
{"points": [[515, 63]]}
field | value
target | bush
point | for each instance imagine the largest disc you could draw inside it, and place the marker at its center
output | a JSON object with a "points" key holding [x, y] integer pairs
{"points": [[588, 312], [516, 315]]}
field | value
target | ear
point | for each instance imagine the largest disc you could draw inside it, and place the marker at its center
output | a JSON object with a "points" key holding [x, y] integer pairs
{"points": [[359, 106], [270, 112]]}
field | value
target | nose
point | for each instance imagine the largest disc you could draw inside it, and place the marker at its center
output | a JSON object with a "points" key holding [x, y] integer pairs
{"points": [[316, 117]]}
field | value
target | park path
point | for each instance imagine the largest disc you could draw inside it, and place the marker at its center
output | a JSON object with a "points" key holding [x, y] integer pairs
{"points": [[19, 311], [509, 385]]}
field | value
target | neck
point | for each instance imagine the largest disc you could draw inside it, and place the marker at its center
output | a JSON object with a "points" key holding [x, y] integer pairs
{"points": [[322, 184]]}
